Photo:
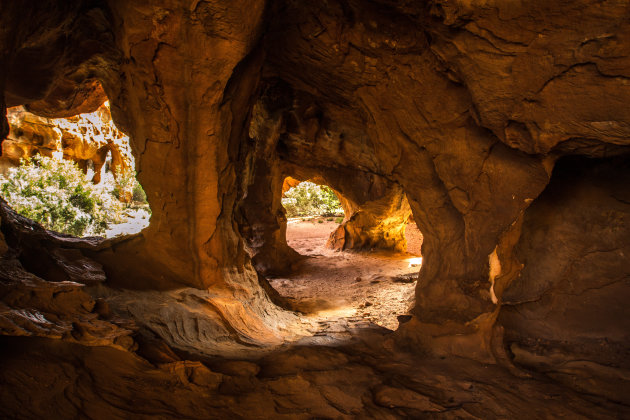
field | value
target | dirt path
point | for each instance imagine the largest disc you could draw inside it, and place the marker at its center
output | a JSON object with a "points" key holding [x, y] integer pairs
{"points": [[136, 220], [348, 287]]}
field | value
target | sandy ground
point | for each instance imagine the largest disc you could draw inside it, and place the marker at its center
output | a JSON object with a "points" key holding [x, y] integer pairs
{"points": [[348, 288], [137, 219]]}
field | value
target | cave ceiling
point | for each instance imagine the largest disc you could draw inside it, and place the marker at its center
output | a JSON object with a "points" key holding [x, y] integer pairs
{"points": [[481, 115]]}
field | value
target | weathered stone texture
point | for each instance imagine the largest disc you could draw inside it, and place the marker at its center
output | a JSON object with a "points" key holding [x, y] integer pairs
{"points": [[461, 107], [86, 137]]}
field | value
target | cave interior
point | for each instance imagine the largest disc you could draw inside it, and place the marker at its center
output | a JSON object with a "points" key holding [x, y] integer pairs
{"points": [[501, 128]]}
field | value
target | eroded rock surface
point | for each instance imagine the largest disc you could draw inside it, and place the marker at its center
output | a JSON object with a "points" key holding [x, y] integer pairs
{"points": [[53, 303], [464, 107], [566, 311], [75, 381], [375, 215], [81, 138]]}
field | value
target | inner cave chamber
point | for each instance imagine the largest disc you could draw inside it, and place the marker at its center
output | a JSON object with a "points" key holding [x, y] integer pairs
{"points": [[502, 128], [348, 266]]}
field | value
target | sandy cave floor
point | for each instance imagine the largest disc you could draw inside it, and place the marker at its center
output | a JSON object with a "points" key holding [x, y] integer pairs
{"points": [[338, 291]]}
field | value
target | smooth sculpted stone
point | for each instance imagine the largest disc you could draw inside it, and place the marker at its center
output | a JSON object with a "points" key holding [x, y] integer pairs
{"points": [[460, 109], [566, 312]]}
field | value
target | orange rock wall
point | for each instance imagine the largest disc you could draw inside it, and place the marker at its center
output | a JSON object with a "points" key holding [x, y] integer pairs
{"points": [[466, 106], [82, 138]]}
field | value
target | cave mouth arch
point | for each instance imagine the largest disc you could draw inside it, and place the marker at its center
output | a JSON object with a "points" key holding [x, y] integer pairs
{"points": [[73, 175], [313, 211], [344, 280]]}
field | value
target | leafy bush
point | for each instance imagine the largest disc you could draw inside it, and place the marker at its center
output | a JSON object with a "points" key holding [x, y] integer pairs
{"points": [[56, 194], [309, 199], [128, 189], [138, 194]]}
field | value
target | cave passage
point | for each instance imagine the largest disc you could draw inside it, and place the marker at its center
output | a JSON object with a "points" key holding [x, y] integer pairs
{"points": [[501, 127], [73, 175], [347, 289]]}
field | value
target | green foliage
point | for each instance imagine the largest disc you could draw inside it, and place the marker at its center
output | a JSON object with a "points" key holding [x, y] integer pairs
{"points": [[309, 199], [56, 194], [139, 194], [339, 220], [128, 188], [124, 183]]}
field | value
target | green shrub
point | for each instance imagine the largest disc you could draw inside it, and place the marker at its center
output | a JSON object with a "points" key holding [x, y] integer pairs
{"points": [[56, 194], [309, 199], [138, 194], [339, 220], [127, 188]]}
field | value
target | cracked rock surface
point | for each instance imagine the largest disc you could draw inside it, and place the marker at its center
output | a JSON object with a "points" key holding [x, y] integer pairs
{"points": [[504, 126]]}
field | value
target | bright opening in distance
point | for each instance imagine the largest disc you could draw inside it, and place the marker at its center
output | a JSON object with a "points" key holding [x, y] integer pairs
{"points": [[415, 262]]}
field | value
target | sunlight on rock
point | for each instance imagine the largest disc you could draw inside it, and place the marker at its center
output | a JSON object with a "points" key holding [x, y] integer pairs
{"points": [[491, 136], [415, 262], [73, 175], [339, 312]]}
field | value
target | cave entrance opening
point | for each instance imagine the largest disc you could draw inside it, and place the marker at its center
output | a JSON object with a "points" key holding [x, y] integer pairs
{"points": [[313, 211], [73, 175], [344, 288]]}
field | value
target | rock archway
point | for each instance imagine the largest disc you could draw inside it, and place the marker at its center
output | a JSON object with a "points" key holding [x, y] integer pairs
{"points": [[86, 139], [375, 211], [465, 108]]}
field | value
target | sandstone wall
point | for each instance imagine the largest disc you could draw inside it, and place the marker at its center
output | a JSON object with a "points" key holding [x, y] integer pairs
{"points": [[82, 138], [466, 106], [565, 312]]}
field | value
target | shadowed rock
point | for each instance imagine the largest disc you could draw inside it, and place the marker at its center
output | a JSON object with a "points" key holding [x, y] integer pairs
{"points": [[461, 107]]}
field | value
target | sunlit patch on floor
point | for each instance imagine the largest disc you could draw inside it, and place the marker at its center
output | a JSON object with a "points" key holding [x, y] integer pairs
{"points": [[415, 262], [339, 293]]}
